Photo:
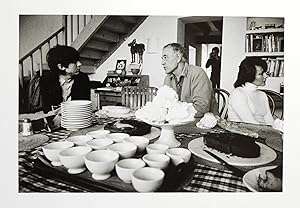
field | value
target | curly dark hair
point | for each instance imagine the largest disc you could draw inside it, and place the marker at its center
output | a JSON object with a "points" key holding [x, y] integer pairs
{"points": [[63, 55], [178, 48], [247, 70]]}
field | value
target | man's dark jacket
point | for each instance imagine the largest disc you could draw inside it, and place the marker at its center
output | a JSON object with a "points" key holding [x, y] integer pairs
{"points": [[51, 90]]}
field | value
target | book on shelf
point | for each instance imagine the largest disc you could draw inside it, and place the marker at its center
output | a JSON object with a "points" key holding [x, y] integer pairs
{"points": [[257, 43], [275, 66], [264, 43], [281, 69]]}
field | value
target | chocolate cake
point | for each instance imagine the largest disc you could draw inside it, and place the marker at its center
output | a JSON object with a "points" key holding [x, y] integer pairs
{"points": [[231, 143], [272, 181], [129, 126]]}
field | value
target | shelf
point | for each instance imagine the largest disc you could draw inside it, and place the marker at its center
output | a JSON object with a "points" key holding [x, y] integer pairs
{"points": [[126, 76], [270, 30], [263, 54]]}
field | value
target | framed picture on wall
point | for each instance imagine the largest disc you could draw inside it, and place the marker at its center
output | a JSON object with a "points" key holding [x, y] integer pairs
{"points": [[120, 66]]}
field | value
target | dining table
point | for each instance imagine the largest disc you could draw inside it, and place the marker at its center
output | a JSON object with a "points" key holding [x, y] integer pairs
{"points": [[204, 175]]}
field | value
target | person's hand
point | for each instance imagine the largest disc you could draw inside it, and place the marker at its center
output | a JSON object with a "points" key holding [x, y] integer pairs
{"points": [[57, 118]]}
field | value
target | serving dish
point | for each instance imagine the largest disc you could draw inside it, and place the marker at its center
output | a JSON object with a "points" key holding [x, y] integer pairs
{"points": [[267, 154]]}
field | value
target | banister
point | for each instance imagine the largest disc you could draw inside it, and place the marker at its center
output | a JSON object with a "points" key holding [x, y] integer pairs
{"points": [[40, 45]]}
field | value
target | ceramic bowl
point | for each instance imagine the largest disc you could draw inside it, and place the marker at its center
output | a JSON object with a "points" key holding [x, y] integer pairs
{"points": [[100, 163], [73, 158], [155, 160], [79, 140], [147, 179], [179, 155], [117, 137], [126, 167], [52, 150], [125, 150], [156, 148], [98, 134], [99, 144], [140, 141]]}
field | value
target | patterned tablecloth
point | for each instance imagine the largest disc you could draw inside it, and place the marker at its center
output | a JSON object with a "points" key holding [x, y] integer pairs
{"points": [[205, 179]]}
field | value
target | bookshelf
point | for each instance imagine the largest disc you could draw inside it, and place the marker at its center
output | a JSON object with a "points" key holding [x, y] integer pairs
{"points": [[265, 38]]}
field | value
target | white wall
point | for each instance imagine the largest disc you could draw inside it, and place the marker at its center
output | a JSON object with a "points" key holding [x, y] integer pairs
{"points": [[160, 28], [233, 49], [33, 29]]}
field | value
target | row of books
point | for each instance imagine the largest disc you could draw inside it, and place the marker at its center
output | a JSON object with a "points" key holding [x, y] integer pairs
{"points": [[264, 43], [275, 66]]}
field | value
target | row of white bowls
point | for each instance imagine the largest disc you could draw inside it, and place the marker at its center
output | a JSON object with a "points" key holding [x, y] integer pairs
{"points": [[101, 150]]}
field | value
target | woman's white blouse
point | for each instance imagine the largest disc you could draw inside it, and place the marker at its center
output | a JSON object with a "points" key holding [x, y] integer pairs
{"points": [[247, 104]]}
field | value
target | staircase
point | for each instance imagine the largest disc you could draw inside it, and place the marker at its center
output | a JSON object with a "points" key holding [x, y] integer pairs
{"points": [[101, 37], [96, 41]]}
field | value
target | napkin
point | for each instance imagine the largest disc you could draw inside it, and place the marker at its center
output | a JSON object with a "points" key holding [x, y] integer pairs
{"points": [[208, 121], [278, 124]]}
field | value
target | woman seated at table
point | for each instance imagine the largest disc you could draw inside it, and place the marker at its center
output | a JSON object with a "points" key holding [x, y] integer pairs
{"points": [[246, 103], [64, 81]]}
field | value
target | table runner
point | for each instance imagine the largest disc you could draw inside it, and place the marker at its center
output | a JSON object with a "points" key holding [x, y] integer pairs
{"points": [[206, 179]]}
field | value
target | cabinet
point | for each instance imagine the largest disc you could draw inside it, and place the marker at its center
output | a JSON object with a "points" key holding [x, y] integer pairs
{"points": [[111, 94], [265, 38], [115, 80]]}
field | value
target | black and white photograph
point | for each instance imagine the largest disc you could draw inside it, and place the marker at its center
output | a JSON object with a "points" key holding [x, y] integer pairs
{"points": [[126, 106]]}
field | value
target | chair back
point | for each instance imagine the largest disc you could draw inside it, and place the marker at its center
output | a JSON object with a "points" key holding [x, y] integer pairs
{"points": [[275, 103], [221, 96], [136, 97]]}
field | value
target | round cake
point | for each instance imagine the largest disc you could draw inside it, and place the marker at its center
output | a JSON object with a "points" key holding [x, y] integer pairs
{"points": [[129, 126]]}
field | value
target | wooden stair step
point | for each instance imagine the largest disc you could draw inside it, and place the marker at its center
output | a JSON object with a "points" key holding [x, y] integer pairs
{"points": [[88, 69], [98, 45], [88, 61], [114, 25], [106, 36], [129, 19], [93, 54]]}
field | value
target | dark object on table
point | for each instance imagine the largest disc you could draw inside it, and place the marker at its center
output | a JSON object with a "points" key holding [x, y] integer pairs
{"points": [[272, 180], [231, 143], [96, 84], [267, 26], [44, 124], [129, 126]]}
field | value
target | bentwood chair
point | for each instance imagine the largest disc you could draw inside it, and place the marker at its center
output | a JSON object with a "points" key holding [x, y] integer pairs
{"points": [[275, 102], [136, 97], [221, 96]]}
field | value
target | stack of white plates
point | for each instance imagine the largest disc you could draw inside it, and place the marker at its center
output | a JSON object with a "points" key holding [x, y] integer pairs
{"points": [[76, 114]]}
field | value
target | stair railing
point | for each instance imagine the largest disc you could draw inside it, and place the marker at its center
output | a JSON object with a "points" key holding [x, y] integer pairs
{"points": [[69, 31]]}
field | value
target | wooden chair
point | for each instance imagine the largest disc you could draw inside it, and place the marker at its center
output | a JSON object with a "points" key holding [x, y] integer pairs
{"points": [[221, 96], [136, 97], [275, 102]]}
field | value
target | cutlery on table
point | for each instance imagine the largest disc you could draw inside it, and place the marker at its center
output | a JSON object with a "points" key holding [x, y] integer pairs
{"points": [[235, 170]]}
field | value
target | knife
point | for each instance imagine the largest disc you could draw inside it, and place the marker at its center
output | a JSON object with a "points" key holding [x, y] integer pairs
{"points": [[235, 170]]}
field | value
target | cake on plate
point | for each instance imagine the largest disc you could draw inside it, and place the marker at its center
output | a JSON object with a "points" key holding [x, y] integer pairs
{"points": [[231, 143], [271, 180], [129, 126]]}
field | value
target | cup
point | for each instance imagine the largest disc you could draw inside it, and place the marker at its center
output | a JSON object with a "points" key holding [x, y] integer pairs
{"points": [[179, 155]]}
